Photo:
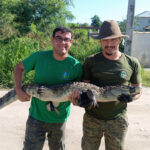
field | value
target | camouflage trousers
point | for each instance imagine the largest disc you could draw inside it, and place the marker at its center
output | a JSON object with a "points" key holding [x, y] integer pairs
{"points": [[114, 132], [36, 134]]}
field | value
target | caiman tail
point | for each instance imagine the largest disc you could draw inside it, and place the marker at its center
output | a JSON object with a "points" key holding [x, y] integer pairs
{"points": [[8, 98]]}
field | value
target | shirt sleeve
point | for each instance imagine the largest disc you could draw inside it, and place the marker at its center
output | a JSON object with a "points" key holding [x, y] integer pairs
{"points": [[79, 71], [30, 62], [87, 69], [136, 76]]}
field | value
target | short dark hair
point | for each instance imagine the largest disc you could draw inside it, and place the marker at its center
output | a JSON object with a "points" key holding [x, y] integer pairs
{"points": [[63, 30]]}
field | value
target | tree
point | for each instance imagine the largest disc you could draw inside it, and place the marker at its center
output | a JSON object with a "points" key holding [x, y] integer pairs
{"points": [[7, 27], [95, 21], [43, 15], [122, 25]]}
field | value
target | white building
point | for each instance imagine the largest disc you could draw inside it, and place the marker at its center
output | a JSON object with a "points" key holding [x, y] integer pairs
{"points": [[142, 21]]}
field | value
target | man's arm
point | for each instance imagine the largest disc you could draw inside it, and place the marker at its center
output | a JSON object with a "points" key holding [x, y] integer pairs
{"points": [[76, 94], [128, 98], [18, 75], [134, 85], [138, 95]]}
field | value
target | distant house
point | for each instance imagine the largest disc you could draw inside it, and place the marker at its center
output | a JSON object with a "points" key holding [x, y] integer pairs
{"points": [[142, 21]]}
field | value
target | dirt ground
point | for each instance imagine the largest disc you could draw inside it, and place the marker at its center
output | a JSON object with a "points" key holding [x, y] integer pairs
{"points": [[13, 119]]}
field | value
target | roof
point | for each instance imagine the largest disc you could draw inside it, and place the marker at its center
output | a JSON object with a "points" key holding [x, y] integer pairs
{"points": [[144, 14]]}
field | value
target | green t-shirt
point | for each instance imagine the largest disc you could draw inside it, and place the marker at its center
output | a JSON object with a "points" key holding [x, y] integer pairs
{"points": [[50, 71], [103, 72]]}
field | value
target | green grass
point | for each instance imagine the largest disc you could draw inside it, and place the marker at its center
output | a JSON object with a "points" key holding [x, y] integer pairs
{"points": [[146, 77]]}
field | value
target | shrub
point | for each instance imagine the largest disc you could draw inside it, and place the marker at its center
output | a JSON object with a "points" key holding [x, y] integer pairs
{"points": [[11, 54], [81, 49]]}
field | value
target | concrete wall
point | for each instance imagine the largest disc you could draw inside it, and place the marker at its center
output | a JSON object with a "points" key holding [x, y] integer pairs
{"points": [[141, 48]]}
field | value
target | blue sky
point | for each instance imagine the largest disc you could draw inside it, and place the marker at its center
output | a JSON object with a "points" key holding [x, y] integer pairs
{"points": [[84, 10]]}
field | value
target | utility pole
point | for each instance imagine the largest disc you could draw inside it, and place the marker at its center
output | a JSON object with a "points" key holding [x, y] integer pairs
{"points": [[129, 26]]}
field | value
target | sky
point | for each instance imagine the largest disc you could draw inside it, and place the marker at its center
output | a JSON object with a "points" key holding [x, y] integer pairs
{"points": [[84, 10]]}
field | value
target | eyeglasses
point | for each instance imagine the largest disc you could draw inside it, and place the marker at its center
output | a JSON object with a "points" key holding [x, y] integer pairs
{"points": [[60, 39]]}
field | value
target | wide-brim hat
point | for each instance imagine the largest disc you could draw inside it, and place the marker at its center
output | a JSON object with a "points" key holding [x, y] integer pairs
{"points": [[109, 30]]}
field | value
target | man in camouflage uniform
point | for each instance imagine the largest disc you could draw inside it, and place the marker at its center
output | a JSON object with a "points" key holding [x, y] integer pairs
{"points": [[109, 67]]}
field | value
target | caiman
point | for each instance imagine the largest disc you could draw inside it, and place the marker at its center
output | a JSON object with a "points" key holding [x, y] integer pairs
{"points": [[60, 93]]}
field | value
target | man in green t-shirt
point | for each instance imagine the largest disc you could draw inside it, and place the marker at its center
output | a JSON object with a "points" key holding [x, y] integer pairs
{"points": [[108, 68], [51, 67]]}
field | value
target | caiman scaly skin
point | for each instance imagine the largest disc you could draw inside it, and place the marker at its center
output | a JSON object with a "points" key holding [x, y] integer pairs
{"points": [[60, 93]]}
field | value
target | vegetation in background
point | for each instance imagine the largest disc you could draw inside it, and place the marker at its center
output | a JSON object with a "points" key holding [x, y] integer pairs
{"points": [[82, 46], [96, 21], [146, 77], [20, 17], [122, 24], [11, 54]]}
